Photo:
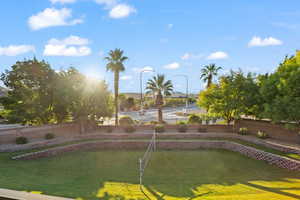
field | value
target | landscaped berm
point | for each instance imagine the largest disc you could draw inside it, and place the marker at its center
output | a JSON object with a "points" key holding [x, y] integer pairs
{"points": [[173, 174]]}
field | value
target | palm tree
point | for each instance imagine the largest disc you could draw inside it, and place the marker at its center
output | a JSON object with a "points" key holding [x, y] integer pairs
{"points": [[115, 64], [159, 88], [208, 72]]}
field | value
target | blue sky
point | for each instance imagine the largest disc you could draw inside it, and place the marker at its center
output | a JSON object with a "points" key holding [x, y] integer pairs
{"points": [[171, 36]]}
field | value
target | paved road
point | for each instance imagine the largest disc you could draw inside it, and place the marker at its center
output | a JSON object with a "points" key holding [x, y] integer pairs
{"points": [[169, 114]]}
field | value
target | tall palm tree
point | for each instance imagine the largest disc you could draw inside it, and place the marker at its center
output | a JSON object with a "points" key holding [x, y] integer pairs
{"points": [[115, 64], [160, 88], [208, 72]]}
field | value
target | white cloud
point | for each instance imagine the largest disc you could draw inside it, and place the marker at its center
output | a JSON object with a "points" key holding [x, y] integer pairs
{"points": [[126, 77], [14, 50], [62, 1], [189, 56], [107, 3], [71, 40], [52, 17], [174, 65], [219, 55], [63, 50], [260, 42], [121, 11], [70, 46], [170, 26]]}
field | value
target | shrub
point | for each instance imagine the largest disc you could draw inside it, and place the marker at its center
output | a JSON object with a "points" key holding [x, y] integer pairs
{"points": [[262, 135], [159, 128], [243, 131], [49, 136], [109, 129], [126, 120], [182, 128], [129, 129], [21, 140], [194, 119], [202, 130], [153, 122], [181, 122]]}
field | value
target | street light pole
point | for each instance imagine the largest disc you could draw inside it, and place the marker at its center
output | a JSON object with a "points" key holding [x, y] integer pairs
{"points": [[187, 91], [141, 86]]}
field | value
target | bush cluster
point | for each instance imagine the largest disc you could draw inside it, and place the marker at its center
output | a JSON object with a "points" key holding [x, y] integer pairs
{"points": [[49, 136], [243, 131], [126, 120], [262, 135], [194, 119], [21, 140]]}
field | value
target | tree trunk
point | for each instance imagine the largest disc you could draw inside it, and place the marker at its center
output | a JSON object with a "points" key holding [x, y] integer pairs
{"points": [[116, 87], [209, 80], [160, 114]]}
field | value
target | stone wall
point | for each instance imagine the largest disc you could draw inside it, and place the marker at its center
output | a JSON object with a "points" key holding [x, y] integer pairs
{"points": [[270, 158], [276, 131]]}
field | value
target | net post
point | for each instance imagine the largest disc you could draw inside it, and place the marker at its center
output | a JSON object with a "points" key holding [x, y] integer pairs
{"points": [[154, 138], [141, 172]]}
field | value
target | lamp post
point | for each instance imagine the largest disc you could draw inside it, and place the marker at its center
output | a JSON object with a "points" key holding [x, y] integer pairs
{"points": [[187, 91], [141, 87]]}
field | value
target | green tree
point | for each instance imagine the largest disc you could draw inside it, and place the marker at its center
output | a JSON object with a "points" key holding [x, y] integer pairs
{"points": [[85, 100], [30, 95], [208, 72], [159, 87], [116, 65], [38, 95], [234, 95], [281, 91]]}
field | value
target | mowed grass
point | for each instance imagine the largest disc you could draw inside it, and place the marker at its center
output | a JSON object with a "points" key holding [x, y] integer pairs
{"points": [[174, 175]]}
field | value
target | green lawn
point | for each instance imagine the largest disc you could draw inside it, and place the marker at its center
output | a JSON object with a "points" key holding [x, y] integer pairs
{"points": [[202, 174]]}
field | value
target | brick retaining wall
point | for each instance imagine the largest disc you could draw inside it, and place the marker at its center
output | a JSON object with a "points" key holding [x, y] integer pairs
{"points": [[270, 158], [266, 143], [8, 136], [276, 131]]}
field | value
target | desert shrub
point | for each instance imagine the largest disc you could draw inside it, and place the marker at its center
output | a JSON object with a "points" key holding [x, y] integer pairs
{"points": [[243, 131], [181, 122], [194, 119], [129, 129], [154, 122], [262, 135], [126, 120], [201, 130], [109, 129], [159, 128], [49, 136], [182, 128], [21, 140]]}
